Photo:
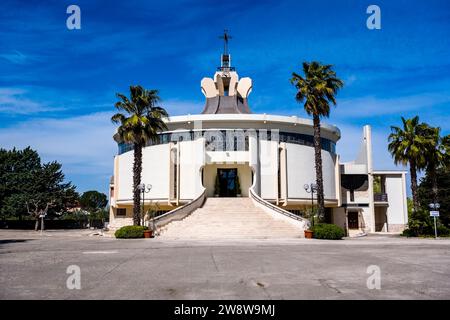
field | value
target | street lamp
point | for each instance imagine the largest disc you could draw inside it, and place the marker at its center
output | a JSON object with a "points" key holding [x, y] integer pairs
{"points": [[311, 188], [434, 212], [144, 189]]}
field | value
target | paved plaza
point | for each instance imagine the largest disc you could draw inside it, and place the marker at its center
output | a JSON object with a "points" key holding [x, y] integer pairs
{"points": [[34, 266]]}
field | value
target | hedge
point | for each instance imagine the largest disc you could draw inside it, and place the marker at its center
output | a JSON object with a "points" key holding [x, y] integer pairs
{"points": [[130, 232], [327, 231]]}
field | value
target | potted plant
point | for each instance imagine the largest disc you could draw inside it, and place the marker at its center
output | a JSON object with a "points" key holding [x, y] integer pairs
{"points": [[238, 187], [148, 233], [309, 233], [217, 186]]}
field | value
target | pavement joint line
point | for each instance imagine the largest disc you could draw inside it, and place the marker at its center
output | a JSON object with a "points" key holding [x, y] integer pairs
{"points": [[100, 252]]}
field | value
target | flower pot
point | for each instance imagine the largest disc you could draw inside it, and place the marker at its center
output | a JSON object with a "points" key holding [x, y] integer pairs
{"points": [[309, 234], [148, 234]]}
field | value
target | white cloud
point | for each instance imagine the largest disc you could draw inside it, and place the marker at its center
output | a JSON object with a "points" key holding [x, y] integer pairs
{"points": [[83, 144], [17, 57], [350, 80], [372, 106], [14, 101]]}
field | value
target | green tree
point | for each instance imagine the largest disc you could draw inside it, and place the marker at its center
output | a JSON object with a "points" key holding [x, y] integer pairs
{"points": [[427, 196], [93, 201], [142, 121], [317, 89], [436, 156], [28, 187], [17, 170], [407, 145], [49, 193]]}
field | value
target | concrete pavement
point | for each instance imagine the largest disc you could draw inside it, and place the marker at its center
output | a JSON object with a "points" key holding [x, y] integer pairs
{"points": [[34, 267]]}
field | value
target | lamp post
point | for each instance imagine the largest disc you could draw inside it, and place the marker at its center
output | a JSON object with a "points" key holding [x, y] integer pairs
{"points": [[144, 189], [434, 212], [311, 188]]}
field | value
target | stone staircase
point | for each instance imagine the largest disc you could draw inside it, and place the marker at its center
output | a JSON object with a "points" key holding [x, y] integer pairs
{"points": [[120, 222], [230, 218]]}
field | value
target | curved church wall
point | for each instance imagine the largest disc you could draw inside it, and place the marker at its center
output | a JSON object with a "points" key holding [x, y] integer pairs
{"points": [[259, 149], [300, 167], [155, 171], [191, 161]]}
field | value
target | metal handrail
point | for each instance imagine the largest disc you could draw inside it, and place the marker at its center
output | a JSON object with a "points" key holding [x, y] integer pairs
{"points": [[194, 203], [274, 207]]}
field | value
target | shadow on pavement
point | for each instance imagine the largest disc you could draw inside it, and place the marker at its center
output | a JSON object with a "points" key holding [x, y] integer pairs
{"points": [[7, 241]]}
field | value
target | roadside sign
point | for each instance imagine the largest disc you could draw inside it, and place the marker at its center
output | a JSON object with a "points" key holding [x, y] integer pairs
{"points": [[434, 213]]}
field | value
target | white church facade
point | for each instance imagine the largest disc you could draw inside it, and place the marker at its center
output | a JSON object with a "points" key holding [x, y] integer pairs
{"points": [[227, 151]]}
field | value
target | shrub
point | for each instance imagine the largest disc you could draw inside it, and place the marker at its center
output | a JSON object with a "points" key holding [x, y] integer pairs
{"points": [[130, 232], [409, 233], [327, 231], [442, 231]]}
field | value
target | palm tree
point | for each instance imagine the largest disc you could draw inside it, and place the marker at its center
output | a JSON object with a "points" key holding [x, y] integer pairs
{"points": [[317, 89], [407, 146], [436, 155], [446, 149], [142, 121]]}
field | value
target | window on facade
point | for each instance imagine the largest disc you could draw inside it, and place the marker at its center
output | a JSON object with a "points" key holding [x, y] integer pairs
{"points": [[220, 144], [121, 212]]}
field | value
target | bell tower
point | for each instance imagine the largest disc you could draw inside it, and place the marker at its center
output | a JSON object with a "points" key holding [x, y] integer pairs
{"points": [[225, 93]]}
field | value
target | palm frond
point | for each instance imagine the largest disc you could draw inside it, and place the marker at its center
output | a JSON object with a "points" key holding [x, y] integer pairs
{"points": [[317, 89]]}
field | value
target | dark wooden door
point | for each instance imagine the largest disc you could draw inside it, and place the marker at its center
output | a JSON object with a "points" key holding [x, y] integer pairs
{"points": [[227, 181], [352, 217]]}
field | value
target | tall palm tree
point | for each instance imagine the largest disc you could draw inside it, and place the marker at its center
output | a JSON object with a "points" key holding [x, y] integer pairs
{"points": [[407, 146], [436, 155], [446, 149], [142, 121], [317, 89]]}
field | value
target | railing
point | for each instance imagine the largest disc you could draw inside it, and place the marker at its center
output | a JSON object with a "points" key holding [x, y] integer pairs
{"points": [[179, 213], [380, 197], [304, 223]]}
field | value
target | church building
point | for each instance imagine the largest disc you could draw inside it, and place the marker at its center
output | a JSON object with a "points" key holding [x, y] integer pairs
{"points": [[229, 171]]}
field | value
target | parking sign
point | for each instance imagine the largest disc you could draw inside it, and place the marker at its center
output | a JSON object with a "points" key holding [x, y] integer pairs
{"points": [[434, 213]]}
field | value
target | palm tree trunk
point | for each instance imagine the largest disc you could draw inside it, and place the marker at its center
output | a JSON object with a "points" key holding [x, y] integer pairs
{"points": [[413, 171], [319, 174], [137, 170]]}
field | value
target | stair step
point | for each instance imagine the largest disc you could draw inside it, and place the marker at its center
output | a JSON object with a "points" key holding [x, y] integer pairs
{"points": [[230, 218]]}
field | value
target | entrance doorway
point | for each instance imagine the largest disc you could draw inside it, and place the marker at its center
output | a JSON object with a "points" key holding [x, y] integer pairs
{"points": [[227, 182], [352, 218], [381, 221]]}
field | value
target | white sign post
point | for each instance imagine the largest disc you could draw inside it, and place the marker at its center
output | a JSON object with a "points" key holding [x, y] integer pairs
{"points": [[434, 214]]}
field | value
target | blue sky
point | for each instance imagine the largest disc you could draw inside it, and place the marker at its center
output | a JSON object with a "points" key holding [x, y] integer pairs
{"points": [[57, 86]]}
